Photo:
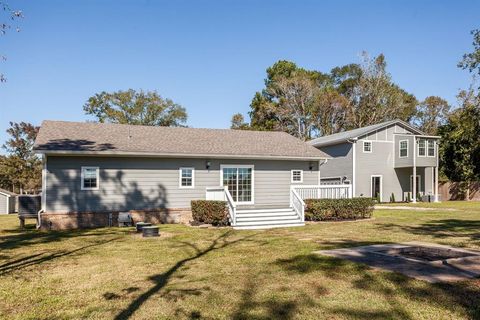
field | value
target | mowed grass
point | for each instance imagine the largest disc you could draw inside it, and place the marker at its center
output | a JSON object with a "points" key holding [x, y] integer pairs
{"points": [[193, 273]]}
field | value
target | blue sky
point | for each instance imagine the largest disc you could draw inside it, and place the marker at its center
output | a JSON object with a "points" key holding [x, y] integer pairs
{"points": [[211, 56]]}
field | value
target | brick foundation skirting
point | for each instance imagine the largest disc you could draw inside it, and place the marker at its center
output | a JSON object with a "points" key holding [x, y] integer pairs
{"points": [[78, 220]]}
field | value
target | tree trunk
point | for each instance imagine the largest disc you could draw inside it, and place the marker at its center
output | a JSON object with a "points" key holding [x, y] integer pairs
{"points": [[467, 191]]}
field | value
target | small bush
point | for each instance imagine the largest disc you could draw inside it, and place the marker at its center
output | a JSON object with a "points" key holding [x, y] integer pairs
{"points": [[210, 211], [392, 198], [338, 209]]}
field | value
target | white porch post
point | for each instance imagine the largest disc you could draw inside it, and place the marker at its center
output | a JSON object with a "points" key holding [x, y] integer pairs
{"points": [[414, 178], [414, 184]]}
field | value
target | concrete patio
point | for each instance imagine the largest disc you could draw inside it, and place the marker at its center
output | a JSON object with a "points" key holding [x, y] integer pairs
{"points": [[433, 263]]}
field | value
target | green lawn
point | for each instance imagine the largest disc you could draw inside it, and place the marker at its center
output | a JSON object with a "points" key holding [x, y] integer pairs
{"points": [[223, 274]]}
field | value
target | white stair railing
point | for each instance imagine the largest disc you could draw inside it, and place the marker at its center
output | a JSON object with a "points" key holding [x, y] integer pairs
{"points": [[232, 207], [333, 191], [297, 204]]}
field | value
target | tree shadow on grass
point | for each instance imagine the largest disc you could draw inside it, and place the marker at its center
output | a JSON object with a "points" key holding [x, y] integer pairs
{"points": [[445, 228], [39, 258], [251, 307], [162, 279], [23, 238], [391, 286]]}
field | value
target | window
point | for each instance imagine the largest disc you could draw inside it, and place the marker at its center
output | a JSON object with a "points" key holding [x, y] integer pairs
{"points": [[90, 177], [367, 146], [239, 181], [422, 148], [403, 148], [431, 148], [187, 178], [297, 176]]}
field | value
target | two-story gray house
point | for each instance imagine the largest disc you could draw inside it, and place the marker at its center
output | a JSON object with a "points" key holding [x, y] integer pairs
{"points": [[381, 160]]}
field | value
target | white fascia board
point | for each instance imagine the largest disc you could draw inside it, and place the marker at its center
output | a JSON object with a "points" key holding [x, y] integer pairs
{"points": [[172, 155]]}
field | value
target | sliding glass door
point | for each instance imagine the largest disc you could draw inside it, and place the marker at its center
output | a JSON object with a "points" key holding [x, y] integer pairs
{"points": [[239, 180]]}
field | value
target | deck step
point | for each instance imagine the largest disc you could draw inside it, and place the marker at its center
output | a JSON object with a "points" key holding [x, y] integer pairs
{"points": [[269, 226], [266, 223], [278, 210], [265, 214], [267, 218]]}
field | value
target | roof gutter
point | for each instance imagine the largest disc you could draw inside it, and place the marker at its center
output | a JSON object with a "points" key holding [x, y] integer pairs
{"points": [[171, 155]]}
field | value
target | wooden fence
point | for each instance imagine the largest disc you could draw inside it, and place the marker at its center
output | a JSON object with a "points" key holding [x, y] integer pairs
{"points": [[451, 191]]}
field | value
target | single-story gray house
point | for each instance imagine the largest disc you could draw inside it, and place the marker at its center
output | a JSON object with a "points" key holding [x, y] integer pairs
{"points": [[92, 170], [381, 160], [7, 201]]}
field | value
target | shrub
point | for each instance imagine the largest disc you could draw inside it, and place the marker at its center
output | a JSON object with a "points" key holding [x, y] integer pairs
{"points": [[338, 209], [392, 198], [210, 211]]}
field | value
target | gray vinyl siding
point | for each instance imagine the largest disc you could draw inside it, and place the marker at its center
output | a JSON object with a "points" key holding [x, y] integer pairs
{"points": [[7, 204], [378, 162], [341, 163], [3, 204], [128, 183], [404, 161]]}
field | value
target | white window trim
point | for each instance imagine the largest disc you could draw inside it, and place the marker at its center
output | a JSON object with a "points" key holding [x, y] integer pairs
{"points": [[381, 185], [371, 146], [253, 179], [301, 176], [98, 178], [400, 148], [418, 148], [434, 147], [180, 178]]}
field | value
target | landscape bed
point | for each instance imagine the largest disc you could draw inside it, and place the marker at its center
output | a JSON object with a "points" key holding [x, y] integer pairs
{"points": [[273, 274]]}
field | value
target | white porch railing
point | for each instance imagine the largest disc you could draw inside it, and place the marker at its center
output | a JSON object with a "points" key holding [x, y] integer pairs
{"points": [[232, 207], [333, 191], [222, 194], [297, 203]]}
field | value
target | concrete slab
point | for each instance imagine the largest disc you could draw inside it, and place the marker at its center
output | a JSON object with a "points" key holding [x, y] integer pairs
{"points": [[386, 257]]}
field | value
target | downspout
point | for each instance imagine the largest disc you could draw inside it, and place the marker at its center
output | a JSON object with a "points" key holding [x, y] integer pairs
{"points": [[321, 163], [43, 199]]}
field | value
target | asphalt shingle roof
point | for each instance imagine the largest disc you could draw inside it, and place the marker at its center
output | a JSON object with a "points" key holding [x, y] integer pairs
{"points": [[355, 133], [55, 136]]}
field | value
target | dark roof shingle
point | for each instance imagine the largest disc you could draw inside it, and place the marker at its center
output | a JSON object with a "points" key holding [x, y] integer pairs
{"points": [[355, 133], [88, 137]]}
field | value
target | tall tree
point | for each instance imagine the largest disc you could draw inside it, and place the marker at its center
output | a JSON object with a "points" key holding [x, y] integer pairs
{"points": [[471, 61], [329, 112], [22, 167], [431, 113], [288, 100], [460, 145], [138, 108], [372, 94], [7, 15], [308, 103]]}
